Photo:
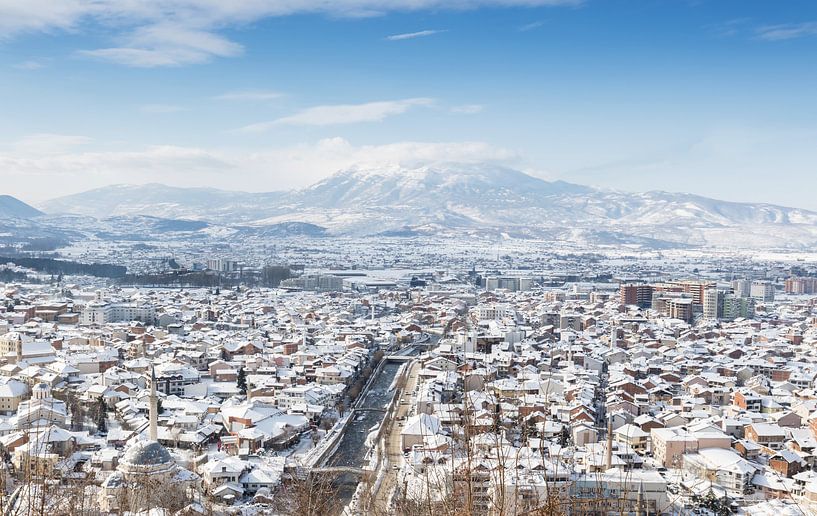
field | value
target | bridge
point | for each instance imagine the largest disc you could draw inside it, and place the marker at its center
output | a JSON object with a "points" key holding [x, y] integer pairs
{"points": [[369, 409], [364, 474], [399, 358]]}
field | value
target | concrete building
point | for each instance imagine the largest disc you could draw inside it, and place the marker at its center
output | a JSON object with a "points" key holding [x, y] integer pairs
{"points": [[762, 290], [742, 287], [636, 294], [101, 312], [713, 303], [512, 283], [795, 285]]}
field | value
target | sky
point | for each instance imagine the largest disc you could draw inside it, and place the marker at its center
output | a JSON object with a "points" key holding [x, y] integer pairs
{"points": [[714, 97]]}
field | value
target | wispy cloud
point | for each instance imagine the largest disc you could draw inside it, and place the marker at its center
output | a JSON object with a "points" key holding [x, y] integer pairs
{"points": [[468, 109], [728, 28], [249, 95], [180, 32], [167, 45], [160, 108], [531, 26], [30, 64], [343, 114], [413, 35], [787, 31]]}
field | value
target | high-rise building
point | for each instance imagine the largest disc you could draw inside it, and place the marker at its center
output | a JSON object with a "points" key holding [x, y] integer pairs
{"points": [[222, 265], [726, 306], [680, 308], [742, 287], [795, 285], [762, 290], [636, 294], [713, 303], [734, 307]]}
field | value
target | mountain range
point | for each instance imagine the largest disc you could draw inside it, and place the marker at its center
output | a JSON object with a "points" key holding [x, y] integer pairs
{"points": [[451, 198]]}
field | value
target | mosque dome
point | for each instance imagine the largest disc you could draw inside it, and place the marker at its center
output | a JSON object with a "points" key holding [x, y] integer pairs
{"points": [[147, 457], [147, 453]]}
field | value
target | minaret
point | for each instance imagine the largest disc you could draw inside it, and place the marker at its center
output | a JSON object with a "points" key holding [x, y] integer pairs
{"points": [[609, 452], [154, 407]]}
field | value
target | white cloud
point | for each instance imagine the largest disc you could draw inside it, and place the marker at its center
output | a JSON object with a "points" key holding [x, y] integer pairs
{"points": [[468, 109], [31, 64], [787, 31], [167, 45], [51, 175], [342, 114], [413, 35], [249, 95], [178, 32], [17, 16], [531, 26]]}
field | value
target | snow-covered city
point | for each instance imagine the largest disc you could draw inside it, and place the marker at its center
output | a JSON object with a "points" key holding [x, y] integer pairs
{"points": [[658, 383], [408, 258]]}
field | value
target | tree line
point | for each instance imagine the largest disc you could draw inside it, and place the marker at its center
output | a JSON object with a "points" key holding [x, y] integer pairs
{"points": [[59, 267]]}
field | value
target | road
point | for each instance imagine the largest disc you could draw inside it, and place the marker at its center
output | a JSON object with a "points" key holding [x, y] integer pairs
{"points": [[393, 449]]}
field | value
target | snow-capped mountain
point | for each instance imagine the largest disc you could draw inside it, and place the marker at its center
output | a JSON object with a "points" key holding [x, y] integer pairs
{"points": [[396, 200]]}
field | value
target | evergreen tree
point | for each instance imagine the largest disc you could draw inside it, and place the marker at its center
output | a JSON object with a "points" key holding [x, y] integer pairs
{"points": [[101, 416], [241, 381]]}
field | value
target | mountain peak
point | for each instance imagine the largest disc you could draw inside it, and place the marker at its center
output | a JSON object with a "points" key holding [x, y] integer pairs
{"points": [[11, 207]]}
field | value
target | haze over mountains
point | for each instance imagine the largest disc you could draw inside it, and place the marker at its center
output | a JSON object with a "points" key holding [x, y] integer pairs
{"points": [[456, 198]]}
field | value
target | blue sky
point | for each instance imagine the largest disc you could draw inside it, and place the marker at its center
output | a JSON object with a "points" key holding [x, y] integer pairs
{"points": [[712, 97]]}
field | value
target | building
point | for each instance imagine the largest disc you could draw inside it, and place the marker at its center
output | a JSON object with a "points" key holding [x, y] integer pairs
{"points": [[722, 467], [720, 305], [762, 290], [512, 283], [41, 410], [734, 307], [796, 285], [636, 294], [695, 289], [633, 492], [315, 283], [742, 287], [12, 393], [146, 472], [222, 265], [713, 303], [101, 312], [680, 308], [765, 434]]}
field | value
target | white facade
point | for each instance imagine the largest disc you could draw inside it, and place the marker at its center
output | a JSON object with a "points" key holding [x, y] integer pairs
{"points": [[102, 313], [762, 290]]}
